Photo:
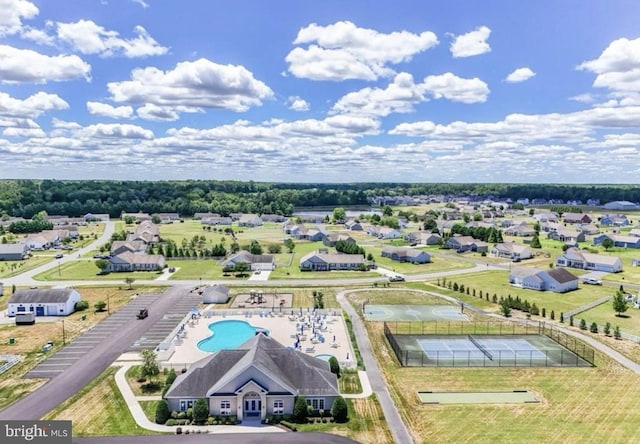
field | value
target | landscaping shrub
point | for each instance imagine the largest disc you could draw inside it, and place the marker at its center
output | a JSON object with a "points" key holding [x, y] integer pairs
{"points": [[339, 410], [210, 420], [182, 415], [593, 328], [607, 329], [616, 333], [81, 305], [200, 411], [583, 324], [300, 410], [162, 412], [170, 422], [553, 315], [190, 413], [174, 414], [334, 365]]}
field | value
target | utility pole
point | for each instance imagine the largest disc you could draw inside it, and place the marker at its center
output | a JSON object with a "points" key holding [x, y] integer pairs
{"points": [[64, 341]]}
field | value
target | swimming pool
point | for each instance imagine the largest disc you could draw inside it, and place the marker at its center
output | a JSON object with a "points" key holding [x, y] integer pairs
{"points": [[227, 334], [324, 357]]}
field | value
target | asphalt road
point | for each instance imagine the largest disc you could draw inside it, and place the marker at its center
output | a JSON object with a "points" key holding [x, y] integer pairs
{"points": [[57, 390], [235, 438]]}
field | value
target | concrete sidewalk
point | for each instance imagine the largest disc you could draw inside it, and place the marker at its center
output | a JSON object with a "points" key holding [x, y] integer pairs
{"points": [[366, 387]]}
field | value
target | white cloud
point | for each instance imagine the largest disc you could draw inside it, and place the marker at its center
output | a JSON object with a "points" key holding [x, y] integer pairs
{"points": [[456, 89], [198, 84], [520, 75], [11, 14], [31, 107], [158, 113], [25, 65], [116, 131], [583, 98], [87, 37], [23, 132], [618, 67], [296, 103], [106, 110], [142, 3], [343, 51], [399, 97], [471, 44]]}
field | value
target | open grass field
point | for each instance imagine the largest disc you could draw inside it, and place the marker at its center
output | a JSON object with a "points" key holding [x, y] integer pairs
{"points": [[99, 410], [396, 296], [13, 268], [13, 387], [577, 404], [629, 322], [85, 269]]}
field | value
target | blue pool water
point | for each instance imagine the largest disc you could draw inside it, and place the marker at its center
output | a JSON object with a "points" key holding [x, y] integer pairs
{"points": [[227, 334], [324, 357]]}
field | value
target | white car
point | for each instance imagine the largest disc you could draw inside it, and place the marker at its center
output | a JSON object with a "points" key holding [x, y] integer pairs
{"points": [[592, 281]]}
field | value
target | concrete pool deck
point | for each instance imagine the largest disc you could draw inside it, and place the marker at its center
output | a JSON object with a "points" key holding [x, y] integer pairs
{"points": [[282, 326]]}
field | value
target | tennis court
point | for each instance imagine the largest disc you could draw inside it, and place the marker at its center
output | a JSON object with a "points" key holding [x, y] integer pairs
{"points": [[512, 397], [413, 313], [474, 348]]}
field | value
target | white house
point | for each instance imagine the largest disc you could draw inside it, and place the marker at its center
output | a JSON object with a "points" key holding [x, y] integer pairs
{"points": [[128, 261], [249, 220], [511, 250], [322, 260], [13, 252], [557, 280], [576, 258], [263, 262], [260, 377], [44, 302], [404, 254]]}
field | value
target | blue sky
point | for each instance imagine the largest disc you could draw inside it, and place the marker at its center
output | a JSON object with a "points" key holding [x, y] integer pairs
{"points": [[330, 91]]}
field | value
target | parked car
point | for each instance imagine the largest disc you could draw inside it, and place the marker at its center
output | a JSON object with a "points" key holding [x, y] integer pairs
{"points": [[143, 313], [59, 256], [592, 281], [396, 278]]}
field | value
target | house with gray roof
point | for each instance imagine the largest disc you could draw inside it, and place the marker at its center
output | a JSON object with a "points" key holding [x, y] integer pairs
{"points": [[129, 261], [43, 301], [404, 254], [576, 258], [511, 250], [258, 378], [557, 280], [423, 238], [266, 262], [249, 220], [323, 260], [618, 240], [14, 252], [463, 244]]}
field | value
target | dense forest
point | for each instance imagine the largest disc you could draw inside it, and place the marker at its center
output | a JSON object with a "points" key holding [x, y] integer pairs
{"points": [[75, 198]]}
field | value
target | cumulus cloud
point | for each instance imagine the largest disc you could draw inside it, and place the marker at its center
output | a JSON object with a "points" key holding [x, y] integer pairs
{"points": [[399, 97], [87, 37], [142, 3], [618, 67], [106, 110], [344, 51], [31, 107], [471, 44], [296, 103], [25, 65], [116, 131], [520, 75], [11, 14], [198, 84], [456, 89]]}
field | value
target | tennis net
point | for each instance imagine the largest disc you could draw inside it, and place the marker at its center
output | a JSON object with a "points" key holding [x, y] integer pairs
{"points": [[486, 352]]}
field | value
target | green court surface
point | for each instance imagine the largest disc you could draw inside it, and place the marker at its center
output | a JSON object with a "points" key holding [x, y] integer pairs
{"points": [[513, 397], [413, 313]]}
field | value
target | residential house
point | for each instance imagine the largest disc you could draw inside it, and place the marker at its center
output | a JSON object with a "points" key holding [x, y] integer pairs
{"points": [[522, 229], [96, 217], [43, 302], [621, 205], [331, 239], [576, 258], [423, 238], [618, 240], [167, 218], [215, 294], [404, 254], [576, 218], [216, 220], [545, 216], [119, 247], [353, 225], [256, 262], [635, 232], [278, 218], [44, 240], [260, 377], [557, 280], [200, 216], [616, 220], [512, 251], [589, 229], [139, 217], [15, 252], [147, 232], [249, 220], [463, 244], [388, 233], [322, 260], [128, 261], [564, 234]]}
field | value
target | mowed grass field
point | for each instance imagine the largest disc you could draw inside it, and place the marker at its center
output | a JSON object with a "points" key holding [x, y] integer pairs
{"points": [[577, 405], [85, 269]]}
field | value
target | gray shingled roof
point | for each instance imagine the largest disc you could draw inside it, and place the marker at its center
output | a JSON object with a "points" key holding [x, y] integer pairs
{"points": [[41, 296], [300, 373], [561, 275]]}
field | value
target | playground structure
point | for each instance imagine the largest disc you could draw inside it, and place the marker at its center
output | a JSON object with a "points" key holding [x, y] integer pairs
{"points": [[259, 299]]}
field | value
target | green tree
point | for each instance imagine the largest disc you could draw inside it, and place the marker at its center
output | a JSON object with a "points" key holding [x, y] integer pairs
{"points": [[102, 264], [535, 241], [620, 304], [289, 244], [339, 215], [334, 365], [583, 324], [241, 268], [387, 211], [274, 248], [339, 410], [607, 329], [255, 247], [162, 412], [593, 328], [129, 281], [235, 247], [171, 376], [505, 308], [150, 368], [200, 411], [129, 220], [156, 219], [100, 306], [300, 411], [616, 332], [607, 244]]}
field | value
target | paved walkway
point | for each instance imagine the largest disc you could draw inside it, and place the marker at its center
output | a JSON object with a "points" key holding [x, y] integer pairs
{"points": [[398, 429], [366, 387]]}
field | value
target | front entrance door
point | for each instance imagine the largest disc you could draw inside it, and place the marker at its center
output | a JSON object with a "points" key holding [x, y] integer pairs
{"points": [[39, 311], [252, 407]]}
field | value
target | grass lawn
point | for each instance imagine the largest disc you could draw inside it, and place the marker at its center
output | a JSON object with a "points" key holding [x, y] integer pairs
{"points": [[99, 410], [143, 388], [438, 263], [397, 296], [366, 423], [149, 409], [13, 387], [86, 270], [13, 268], [349, 382], [577, 404], [629, 322], [195, 269]]}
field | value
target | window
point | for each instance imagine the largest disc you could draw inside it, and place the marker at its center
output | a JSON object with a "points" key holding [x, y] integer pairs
{"points": [[316, 403], [278, 407], [183, 406], [21, 309], [225, 407], [189, 404]]}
